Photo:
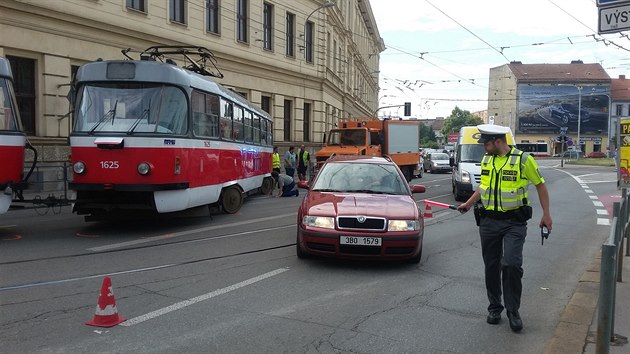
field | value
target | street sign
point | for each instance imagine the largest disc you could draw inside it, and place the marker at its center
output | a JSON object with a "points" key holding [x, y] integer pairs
{"points": [[610, 2], [614, 19]]}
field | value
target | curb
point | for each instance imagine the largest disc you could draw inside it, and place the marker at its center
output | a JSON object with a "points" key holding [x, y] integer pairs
{"points": [[572, 331]]}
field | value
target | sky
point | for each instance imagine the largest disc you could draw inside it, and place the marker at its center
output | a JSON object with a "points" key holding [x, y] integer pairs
{"points": [[439, 52]]}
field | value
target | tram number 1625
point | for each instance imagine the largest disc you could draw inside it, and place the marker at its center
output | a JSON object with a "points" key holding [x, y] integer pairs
{"points": [[110, 164]]}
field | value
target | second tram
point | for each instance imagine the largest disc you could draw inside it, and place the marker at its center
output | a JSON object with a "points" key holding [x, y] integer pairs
{"points": [[12, 140], [149, 135]]}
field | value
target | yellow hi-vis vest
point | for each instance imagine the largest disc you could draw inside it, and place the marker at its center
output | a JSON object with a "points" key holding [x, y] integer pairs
{"points": [[275, 160], [503, 187]]}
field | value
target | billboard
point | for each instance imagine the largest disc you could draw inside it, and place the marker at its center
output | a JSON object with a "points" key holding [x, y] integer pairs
{"points": [[549, 109]]}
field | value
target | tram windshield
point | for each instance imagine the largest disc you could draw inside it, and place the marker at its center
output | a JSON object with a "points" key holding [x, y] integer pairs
{"points": [[131, 108], [8, 113]]}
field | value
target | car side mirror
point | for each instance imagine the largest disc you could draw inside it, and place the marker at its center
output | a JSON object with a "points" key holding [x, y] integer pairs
{"points": [[303, 184], [416, 188]]}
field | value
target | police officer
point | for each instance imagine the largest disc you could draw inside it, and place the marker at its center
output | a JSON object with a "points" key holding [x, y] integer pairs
{"points": [[505, 175]]}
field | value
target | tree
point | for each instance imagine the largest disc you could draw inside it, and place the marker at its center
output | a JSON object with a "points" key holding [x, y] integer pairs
{"points": [[427, 137], [459, 118]]}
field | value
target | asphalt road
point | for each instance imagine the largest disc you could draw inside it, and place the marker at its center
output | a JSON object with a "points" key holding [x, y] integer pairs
{"points": [[232, 283]]}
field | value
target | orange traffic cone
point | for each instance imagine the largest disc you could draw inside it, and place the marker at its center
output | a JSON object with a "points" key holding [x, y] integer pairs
{"points": [[106, 313], [428, 211]]}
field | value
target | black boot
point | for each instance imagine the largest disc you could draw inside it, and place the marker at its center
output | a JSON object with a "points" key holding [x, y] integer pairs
{"points": [[516, 324], [494, 317]]}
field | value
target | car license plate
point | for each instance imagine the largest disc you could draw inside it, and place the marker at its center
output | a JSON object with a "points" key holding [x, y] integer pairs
{"points": [[360, 240]]}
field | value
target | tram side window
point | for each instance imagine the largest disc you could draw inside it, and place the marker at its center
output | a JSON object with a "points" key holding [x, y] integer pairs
{"points": [[226, 119], [205, 114], [238, 124], [257, 129], [248, 127]]}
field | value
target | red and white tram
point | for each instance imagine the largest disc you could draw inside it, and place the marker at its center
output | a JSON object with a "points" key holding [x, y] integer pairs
{"points": [[150, 135], [12, 140]]}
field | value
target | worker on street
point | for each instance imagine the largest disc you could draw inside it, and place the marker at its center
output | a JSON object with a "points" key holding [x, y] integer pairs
{"points": [[286, 185]]}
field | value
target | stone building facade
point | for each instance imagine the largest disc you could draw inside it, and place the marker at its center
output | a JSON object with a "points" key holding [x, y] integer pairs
{"points": [[307, 62]]}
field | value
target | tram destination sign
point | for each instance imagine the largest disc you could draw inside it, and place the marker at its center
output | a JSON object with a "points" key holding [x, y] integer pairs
{"points": [[615, 18]]}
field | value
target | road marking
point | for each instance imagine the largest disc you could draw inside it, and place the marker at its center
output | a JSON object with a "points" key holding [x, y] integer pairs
{"points": [[601, 221], [602, 212], [598, 204], [184, 233], [194, 300]]}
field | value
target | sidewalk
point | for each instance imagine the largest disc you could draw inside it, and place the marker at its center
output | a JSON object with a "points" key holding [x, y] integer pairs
{"points": [[577, 330]]}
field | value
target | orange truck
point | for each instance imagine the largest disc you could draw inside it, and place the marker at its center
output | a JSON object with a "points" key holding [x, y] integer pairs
{"points": [[398, 139]]}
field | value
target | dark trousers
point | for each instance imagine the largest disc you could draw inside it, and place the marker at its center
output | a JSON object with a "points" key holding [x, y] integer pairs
{"points": [[502, 249], [287, 191]]}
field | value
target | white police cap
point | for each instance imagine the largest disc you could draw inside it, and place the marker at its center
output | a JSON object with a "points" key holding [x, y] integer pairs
{"points": [[490, 132]]}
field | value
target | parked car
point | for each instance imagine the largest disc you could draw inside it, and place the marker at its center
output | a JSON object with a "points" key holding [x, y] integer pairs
{"points": [[572, 154], [596, 155], [437, 162], [360, 207]]}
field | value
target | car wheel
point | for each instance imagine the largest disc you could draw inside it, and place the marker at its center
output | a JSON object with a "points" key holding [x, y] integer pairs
{"points": [[565, 119], [416, 259], [299, 252]]}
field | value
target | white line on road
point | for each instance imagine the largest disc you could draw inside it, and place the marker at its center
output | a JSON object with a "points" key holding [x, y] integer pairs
{"points": [[194, 300], [183, 233]]}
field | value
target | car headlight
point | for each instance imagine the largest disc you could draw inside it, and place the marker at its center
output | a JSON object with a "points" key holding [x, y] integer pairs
{"points": [[402, 225], [323, 222], [79, 167], [465, 176]]}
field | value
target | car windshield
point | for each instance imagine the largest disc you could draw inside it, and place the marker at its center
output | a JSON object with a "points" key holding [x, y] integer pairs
{"points": [[439, 156], [360, 178], [471, 153]]}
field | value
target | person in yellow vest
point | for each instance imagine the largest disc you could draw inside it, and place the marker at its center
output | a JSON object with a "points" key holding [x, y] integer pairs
{"points": [[303, 159], [275, 160], [502, 219]]}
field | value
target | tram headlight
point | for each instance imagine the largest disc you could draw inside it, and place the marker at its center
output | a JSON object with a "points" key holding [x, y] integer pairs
{"points": [[144, 168], [79, 167]]}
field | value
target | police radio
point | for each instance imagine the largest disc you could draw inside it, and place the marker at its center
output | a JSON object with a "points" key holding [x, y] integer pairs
{"points": [[544, 233]]}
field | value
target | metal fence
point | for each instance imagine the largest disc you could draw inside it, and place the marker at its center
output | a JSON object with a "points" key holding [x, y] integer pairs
{"points": [[610, 273]]}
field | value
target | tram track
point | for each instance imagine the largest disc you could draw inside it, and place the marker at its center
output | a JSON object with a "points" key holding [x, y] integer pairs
{"points": [[174, 242]]}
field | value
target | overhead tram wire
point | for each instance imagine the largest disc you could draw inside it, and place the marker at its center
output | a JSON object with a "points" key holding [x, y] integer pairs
{"points": [[594, 34], [469, 31]]}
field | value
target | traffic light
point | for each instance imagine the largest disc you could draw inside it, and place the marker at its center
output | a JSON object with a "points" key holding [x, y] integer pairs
{"points": [[407, 109]]}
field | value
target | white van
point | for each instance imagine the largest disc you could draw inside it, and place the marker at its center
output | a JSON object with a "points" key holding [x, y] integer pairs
{"points": [[466, 162]]}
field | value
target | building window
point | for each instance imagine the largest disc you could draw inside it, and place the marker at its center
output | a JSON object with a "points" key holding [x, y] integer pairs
{"points": [[241, 20], [212, 7], [24, 85], [308, 43], [287, 120], [290, 33], [268, 26], [618, 109], [307, 122], [138, 5], [265, 104], [178, 11]]}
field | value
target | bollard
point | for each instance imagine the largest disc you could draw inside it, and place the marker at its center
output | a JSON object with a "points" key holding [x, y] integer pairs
{"points": [[606, 288]]}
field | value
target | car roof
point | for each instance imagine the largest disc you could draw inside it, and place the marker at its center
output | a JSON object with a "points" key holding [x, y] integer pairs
{"points": [[361, 159]]}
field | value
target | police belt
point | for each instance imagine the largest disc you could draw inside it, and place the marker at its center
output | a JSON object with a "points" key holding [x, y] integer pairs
{"points": [[500, 215]]}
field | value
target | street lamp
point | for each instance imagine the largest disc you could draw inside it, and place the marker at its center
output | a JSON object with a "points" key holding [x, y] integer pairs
{"points": [[579, 88], [322, 6]]}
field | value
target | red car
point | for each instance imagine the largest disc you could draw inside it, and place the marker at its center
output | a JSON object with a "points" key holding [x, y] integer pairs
{"points": [[597, 155], [360, 207]]}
